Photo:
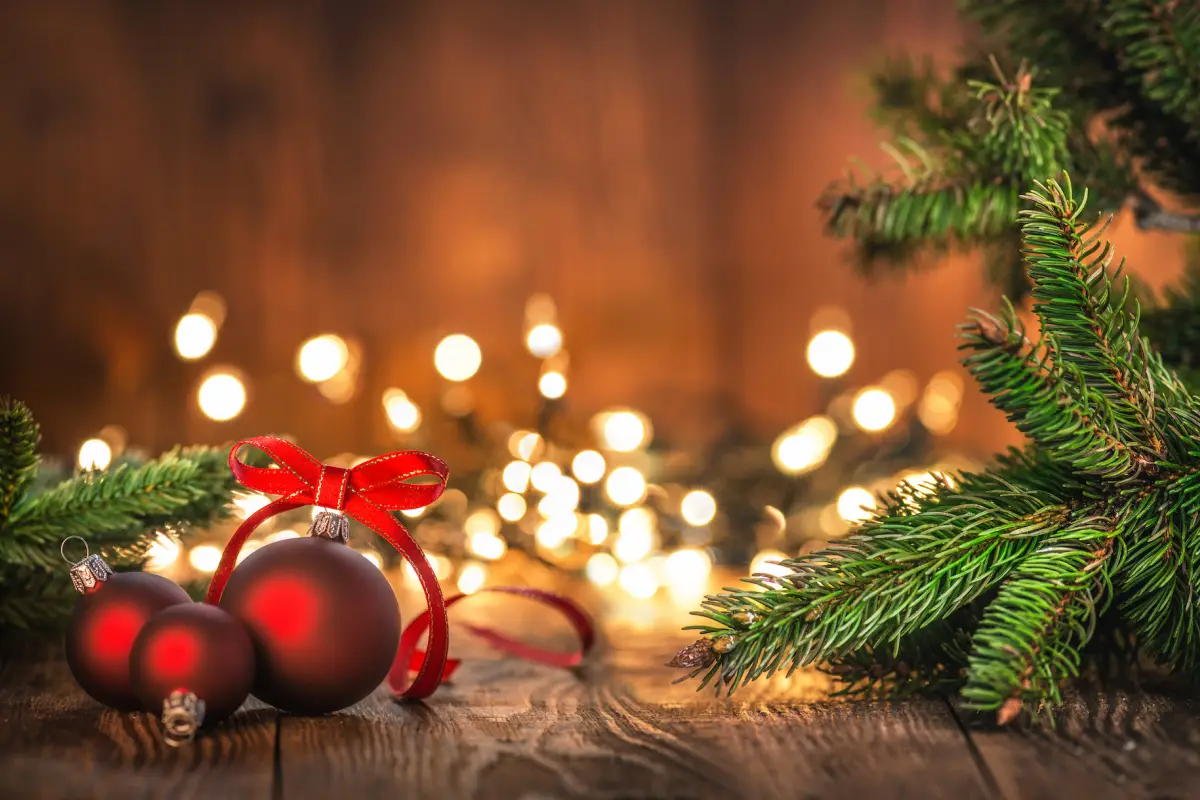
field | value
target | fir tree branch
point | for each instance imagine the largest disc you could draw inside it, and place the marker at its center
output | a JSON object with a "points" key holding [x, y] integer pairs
{"points": [[921, 559], [1031, 635], [18, 453], [1084, 327], [1036, 396]]}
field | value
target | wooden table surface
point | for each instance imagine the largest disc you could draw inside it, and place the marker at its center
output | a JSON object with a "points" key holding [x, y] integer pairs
{"points": [[613, 728]]}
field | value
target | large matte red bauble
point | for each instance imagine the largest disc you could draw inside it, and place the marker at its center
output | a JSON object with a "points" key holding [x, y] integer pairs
{"points": [[194, 648], [106, 621], [323, 619]]}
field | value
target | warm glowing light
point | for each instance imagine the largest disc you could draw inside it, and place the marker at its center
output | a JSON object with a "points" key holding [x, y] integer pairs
{"points": [[515, 476], [874, 409], [525, 445], [511, 506], [471, 577], [588, 466], [457, 357], [402, 413], [624, 431], [482, 521], [195, 335], [805, 447], [855, 504], [282, 536], [562, 497], [544, 476], [487, 545], [636, 535], [638, 580], [544, 340], [204, 557], [602, 569], [940, 403], [830, 353], [688, 569], [698, 508], [625, 486], [597, 529], [163, 552], [556, 530], [922, 483], [322, 357], [247, 548], [372, 556], [766, 561], [95, 454], [413, 513], [552, 385], [222, 396], [248, 503]]}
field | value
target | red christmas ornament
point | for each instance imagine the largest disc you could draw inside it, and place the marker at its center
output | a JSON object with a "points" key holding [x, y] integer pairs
{"points": [[323, 619], [196, 663], [110, 614]]}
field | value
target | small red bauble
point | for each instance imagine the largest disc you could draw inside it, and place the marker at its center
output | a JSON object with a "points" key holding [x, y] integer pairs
{"points": [[323, 619], [195, 663], [107, 619]]}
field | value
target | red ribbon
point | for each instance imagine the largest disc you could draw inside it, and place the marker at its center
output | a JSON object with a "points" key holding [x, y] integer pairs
{"points": [[369, 493]]}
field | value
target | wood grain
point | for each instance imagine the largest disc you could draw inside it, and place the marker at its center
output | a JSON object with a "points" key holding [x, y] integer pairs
{"points": [[1104, 745], [55, 742], [618, 728]]}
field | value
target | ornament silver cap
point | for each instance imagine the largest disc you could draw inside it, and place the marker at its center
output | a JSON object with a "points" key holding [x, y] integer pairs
{"points": [[182, 716], [88, 572], [331, 525]]}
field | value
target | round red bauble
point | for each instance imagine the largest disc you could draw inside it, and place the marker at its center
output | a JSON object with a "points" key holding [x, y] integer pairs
{"points": [[195, 649], [107, 619], [323, 619]]}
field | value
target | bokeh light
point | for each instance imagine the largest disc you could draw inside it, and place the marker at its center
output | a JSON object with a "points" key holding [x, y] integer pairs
{"points": [[805, 447], [95, 454], [855, 504], [457, 357], [322, 357], [830, 354], [544, 340], [402, 413], [874, 409], [625, 486], [552, 385], [624, 431], [515, 476], [602, 569], [511, 506], [195, 335], [638, 580], [544, 476], [222, 396], [588, 466], [204, 557], [471, 577], [766, 561], [698, 508], [597, 529]]}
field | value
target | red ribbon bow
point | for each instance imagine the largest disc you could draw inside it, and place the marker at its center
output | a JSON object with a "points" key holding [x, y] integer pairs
{"points": [[369, 493]]}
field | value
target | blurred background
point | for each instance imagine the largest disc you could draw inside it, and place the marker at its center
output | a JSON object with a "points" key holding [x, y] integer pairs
{"points": [[503, 231]]}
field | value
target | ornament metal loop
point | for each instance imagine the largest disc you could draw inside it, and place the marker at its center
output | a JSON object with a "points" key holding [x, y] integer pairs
{"points": [[182, 716], [331, 525], [62, 549]]}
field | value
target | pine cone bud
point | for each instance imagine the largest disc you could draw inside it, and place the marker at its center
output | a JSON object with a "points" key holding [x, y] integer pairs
{"points": [[697, 654]]}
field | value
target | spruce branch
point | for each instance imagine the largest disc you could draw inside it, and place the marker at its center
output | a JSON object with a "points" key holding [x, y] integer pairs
{"points": [[18, 453], [115, 511], [1097, 513]]}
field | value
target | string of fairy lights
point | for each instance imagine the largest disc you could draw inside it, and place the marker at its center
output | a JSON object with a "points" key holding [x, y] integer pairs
{"points": [[608, 511]]}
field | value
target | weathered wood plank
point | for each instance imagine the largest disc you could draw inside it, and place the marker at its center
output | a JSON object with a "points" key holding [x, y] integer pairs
{"points": [[618, 728], [1104, 746], [55, 742]]}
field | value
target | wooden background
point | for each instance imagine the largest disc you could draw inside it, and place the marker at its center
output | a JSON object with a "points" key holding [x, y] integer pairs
{"points": [[395, 171]]}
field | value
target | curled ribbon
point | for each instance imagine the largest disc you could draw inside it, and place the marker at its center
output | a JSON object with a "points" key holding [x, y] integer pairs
{"points": [[369, 493]]}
